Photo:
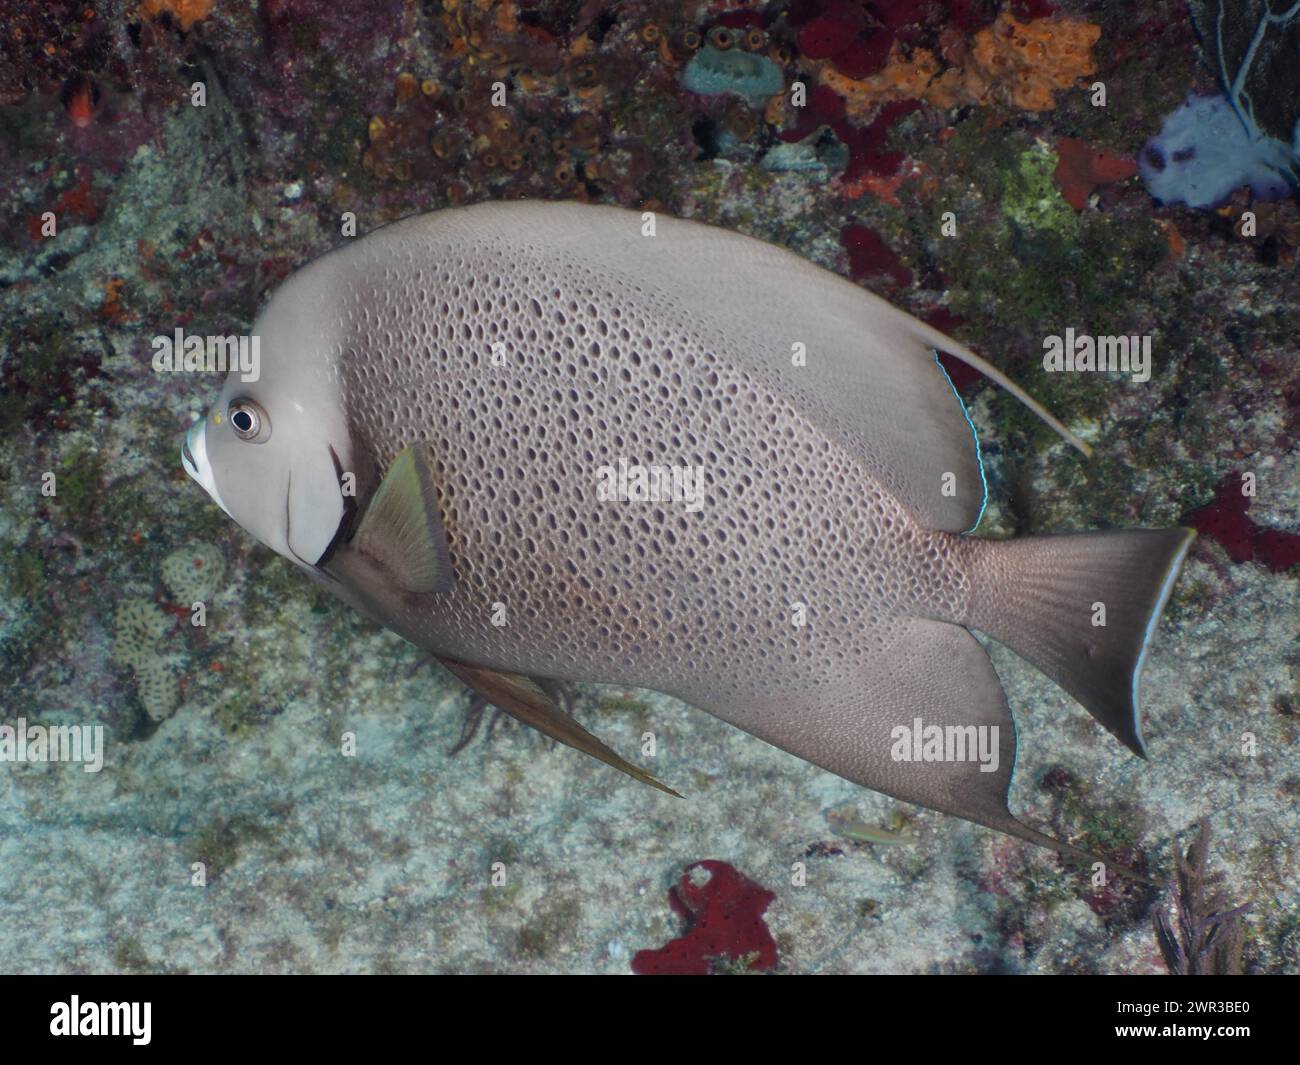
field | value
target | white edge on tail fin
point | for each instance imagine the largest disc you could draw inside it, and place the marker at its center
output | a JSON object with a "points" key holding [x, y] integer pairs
{"points": [[1166, 589], [943, 342]]}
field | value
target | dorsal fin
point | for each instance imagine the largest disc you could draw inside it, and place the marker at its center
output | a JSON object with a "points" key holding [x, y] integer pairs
{"points": [[402, 526], [868, 376], [933, 338]]}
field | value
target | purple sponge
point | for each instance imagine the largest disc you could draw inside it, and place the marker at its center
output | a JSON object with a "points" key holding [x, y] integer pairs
{"points": [[1205, 151]]}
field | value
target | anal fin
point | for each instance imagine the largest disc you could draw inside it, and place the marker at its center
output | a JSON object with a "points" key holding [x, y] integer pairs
{"points": [[931, 672], [524, 699]]}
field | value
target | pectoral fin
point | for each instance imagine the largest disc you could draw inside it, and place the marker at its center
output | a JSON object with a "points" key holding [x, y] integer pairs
{"points": [[524, 699], [402, 527]]}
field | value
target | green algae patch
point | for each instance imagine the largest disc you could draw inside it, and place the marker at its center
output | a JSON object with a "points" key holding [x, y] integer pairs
{"points": [[625, 706], [549, 929], [79, 488], [24, 573], [239, 715], [218, 844], [1039, 282], [25, 578], [1030, 198]]}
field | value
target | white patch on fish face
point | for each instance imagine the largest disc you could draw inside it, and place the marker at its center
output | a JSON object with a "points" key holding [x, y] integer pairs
{"points": [[247, 478], [271, 456], [194, 457]]}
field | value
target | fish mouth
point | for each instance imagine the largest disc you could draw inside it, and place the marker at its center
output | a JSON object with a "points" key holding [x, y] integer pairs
{"points": [[194, 458]]}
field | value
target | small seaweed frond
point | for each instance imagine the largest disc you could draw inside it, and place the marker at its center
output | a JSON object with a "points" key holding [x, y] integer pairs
{"points": [[1234, 84], [1239, 97], [1197, 935]]}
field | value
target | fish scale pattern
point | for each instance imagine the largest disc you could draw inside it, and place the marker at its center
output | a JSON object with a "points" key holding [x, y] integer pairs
{"points": [[592, 365]]}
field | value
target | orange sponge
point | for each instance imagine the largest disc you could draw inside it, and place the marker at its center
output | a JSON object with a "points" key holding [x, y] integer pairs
{"points": [[1017, 64], [186, 12]]}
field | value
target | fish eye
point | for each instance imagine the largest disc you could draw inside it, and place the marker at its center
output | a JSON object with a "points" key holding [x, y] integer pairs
{"points": [[249, 421]]}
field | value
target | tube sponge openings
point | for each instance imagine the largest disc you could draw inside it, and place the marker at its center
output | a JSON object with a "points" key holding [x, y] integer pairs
{"points": [[1204, 152]]}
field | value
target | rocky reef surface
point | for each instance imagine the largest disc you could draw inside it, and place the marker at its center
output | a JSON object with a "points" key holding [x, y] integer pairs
{"points": [[277, 792]]}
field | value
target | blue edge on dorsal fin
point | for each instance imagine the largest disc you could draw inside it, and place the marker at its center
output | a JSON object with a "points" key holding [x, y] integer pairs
{"points": [[979, 456]]}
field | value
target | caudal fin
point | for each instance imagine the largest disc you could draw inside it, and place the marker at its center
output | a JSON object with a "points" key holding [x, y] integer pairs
{"points": [[1082, 608]]}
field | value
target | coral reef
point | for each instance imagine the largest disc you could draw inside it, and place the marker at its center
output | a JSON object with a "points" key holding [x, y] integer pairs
{"points": [[1016, 64], [917, 164], [193, 573], [138, 625]]}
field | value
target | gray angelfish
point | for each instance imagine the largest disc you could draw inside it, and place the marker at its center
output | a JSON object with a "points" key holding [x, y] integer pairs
{"points": [[487, 374]]}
